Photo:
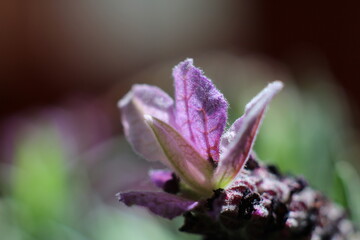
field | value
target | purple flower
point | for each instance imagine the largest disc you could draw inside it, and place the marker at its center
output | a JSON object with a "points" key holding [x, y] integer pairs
{"points": [[187, 135]]}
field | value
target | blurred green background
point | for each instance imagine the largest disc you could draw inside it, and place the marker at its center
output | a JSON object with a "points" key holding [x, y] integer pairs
{"points": [[65, 64], [61, 167]]}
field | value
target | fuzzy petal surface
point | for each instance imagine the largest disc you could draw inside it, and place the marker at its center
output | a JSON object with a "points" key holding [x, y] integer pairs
{"points": [[237, 152], [230, 134], [201, 110], [144, 99], [163, 204]]}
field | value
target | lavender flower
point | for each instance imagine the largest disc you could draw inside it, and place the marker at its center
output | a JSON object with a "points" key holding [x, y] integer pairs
{"points": [[187, 135], [215, 180]]}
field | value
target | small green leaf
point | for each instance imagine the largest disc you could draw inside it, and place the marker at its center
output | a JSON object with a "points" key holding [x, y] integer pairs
{"points": [[352, 182], [182, 157]]}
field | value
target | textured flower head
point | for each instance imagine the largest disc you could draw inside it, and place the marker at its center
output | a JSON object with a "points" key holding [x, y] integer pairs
{"points": [[188, 135], [220, 187]]}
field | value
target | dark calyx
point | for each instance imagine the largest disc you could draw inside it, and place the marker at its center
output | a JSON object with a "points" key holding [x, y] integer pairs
{"points": [[265, 204], [172, 185]]}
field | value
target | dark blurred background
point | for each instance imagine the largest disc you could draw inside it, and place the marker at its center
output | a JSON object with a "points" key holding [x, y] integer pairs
{"points": [[65, 64], [54, 49]]}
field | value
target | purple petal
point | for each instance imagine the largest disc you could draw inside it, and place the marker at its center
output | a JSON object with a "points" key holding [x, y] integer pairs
{"points": [[166, 180], [162, 204], [182, 158], [201, 110], [145, 99], [237, 152], [160, 177]]}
